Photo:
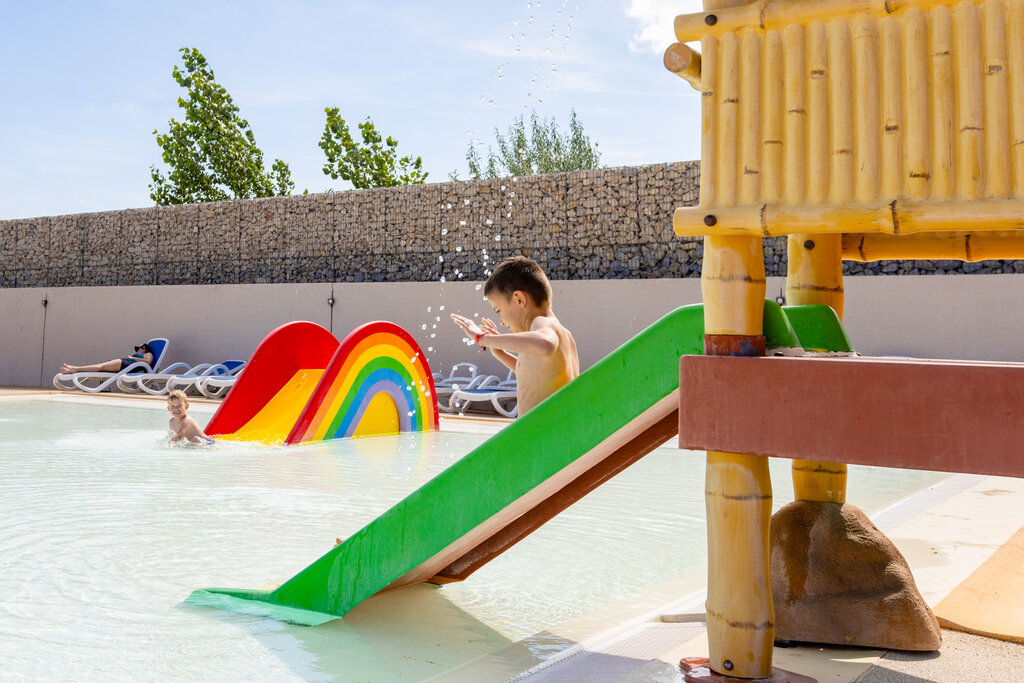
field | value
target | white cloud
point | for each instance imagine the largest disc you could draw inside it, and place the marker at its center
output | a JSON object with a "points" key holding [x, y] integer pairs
{"points": [[654, 22]]}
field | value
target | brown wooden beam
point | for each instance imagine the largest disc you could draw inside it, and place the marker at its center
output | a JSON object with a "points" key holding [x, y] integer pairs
{"points": [[948, 416]]}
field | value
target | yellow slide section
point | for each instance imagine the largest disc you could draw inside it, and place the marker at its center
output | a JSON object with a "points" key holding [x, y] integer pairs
{"points": [[276, 419]]}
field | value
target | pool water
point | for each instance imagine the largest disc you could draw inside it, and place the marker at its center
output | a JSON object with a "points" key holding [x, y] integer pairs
{"points": [[105, 529]]}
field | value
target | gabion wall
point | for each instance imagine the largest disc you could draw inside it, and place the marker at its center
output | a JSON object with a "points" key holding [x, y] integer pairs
{"points": [[607, 223]]}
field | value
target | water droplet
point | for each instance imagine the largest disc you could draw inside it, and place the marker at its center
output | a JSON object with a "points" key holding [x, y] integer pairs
{"points": [[428, 309], [442, 278], [433, 334], [554, 69], [437, 318], [489, 222], [529, 5], [430, 348], [449, 205], [458, 248], [423, 326], [444, 231], [466, 202], [478, 287], [462, 222], [483, 97], [512, 195], [508, 215], [440, 259], [497, 238]]}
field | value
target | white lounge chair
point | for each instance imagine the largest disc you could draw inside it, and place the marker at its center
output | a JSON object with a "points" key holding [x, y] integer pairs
{"points": [[176, 376], [461, 375], [192, 382], [501, 395], [217, 386], [95, 382]]}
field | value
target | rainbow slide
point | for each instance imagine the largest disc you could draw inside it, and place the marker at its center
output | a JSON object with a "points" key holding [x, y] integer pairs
{"points": [[610, 416], [301, 384]]}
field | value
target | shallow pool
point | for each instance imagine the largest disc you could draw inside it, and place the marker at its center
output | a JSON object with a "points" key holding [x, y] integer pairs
{"points": [[105, 529]]}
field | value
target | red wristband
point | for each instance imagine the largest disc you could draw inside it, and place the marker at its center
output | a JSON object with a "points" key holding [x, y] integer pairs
{"points": [[476, 340]]}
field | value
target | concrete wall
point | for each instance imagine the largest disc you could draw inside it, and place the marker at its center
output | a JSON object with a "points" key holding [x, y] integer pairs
{"points": [[952, 316]]}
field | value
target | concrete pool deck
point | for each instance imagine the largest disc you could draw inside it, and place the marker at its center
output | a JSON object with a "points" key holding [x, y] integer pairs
{"points": [[946, 532]]}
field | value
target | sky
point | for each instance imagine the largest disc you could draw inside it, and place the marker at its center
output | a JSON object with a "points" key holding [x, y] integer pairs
{"points": [[85, 84]]}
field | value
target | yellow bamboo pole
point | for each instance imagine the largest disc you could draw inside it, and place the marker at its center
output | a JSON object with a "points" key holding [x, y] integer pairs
{"points": [[738, 499], [867, 127], [683, 62], [815, 273], [740, 612], [709, 121], [941, 87], [749, 179], [818, 78], [894, 218], [772, 106], [997, 111], [775, 14], [1015, 29], [963, 246], [970, 123], [841, 111], [916, 123], [727, 104], [891, 63], [795, 143]]}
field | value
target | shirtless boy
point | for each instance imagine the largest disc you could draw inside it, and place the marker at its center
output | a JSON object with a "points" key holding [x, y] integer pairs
{"points": [[183, 427], [539, 349]]}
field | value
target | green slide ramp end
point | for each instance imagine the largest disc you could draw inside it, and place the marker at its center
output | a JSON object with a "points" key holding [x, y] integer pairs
{"points": [[819, 328], [487, 480]]}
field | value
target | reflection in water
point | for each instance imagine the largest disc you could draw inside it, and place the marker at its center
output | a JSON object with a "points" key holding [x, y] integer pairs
{"points": [[105, 530]]}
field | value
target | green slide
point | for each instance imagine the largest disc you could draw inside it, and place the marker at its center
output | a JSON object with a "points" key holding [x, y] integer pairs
{"points": [[518, 478]]}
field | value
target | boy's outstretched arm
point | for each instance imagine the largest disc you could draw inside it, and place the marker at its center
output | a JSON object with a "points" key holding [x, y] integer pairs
{"points": [[541, 340]]}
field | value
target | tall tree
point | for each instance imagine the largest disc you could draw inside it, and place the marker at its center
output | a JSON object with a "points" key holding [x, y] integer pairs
{"points": [[212, 154], [371, 162], [541, 149]]}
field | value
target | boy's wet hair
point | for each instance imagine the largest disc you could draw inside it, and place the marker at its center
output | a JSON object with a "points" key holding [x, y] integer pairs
{"points": [[518, 273], [176, 395]]}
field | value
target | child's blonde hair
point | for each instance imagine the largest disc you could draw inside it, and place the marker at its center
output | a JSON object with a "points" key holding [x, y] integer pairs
{"points": [[176, 396]]}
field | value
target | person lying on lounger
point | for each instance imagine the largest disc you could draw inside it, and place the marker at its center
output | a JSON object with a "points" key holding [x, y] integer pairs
{"points": [[142, 353]]}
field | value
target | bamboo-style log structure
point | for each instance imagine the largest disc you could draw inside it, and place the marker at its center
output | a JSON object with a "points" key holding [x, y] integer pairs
{"points": [[861, 130], [861, 116], [963, 246], [683, 62], [891, 218]]}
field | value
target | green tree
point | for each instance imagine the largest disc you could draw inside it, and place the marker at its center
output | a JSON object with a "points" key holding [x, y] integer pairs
{"points": [[212, 154], [541, 149], [372, 162]]}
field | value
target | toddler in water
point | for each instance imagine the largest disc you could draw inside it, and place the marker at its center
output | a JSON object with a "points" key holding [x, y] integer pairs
{"points": [[183, 427]]}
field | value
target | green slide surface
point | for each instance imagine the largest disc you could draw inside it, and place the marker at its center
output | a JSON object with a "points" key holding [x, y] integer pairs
{"points": [[486, 481]]}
